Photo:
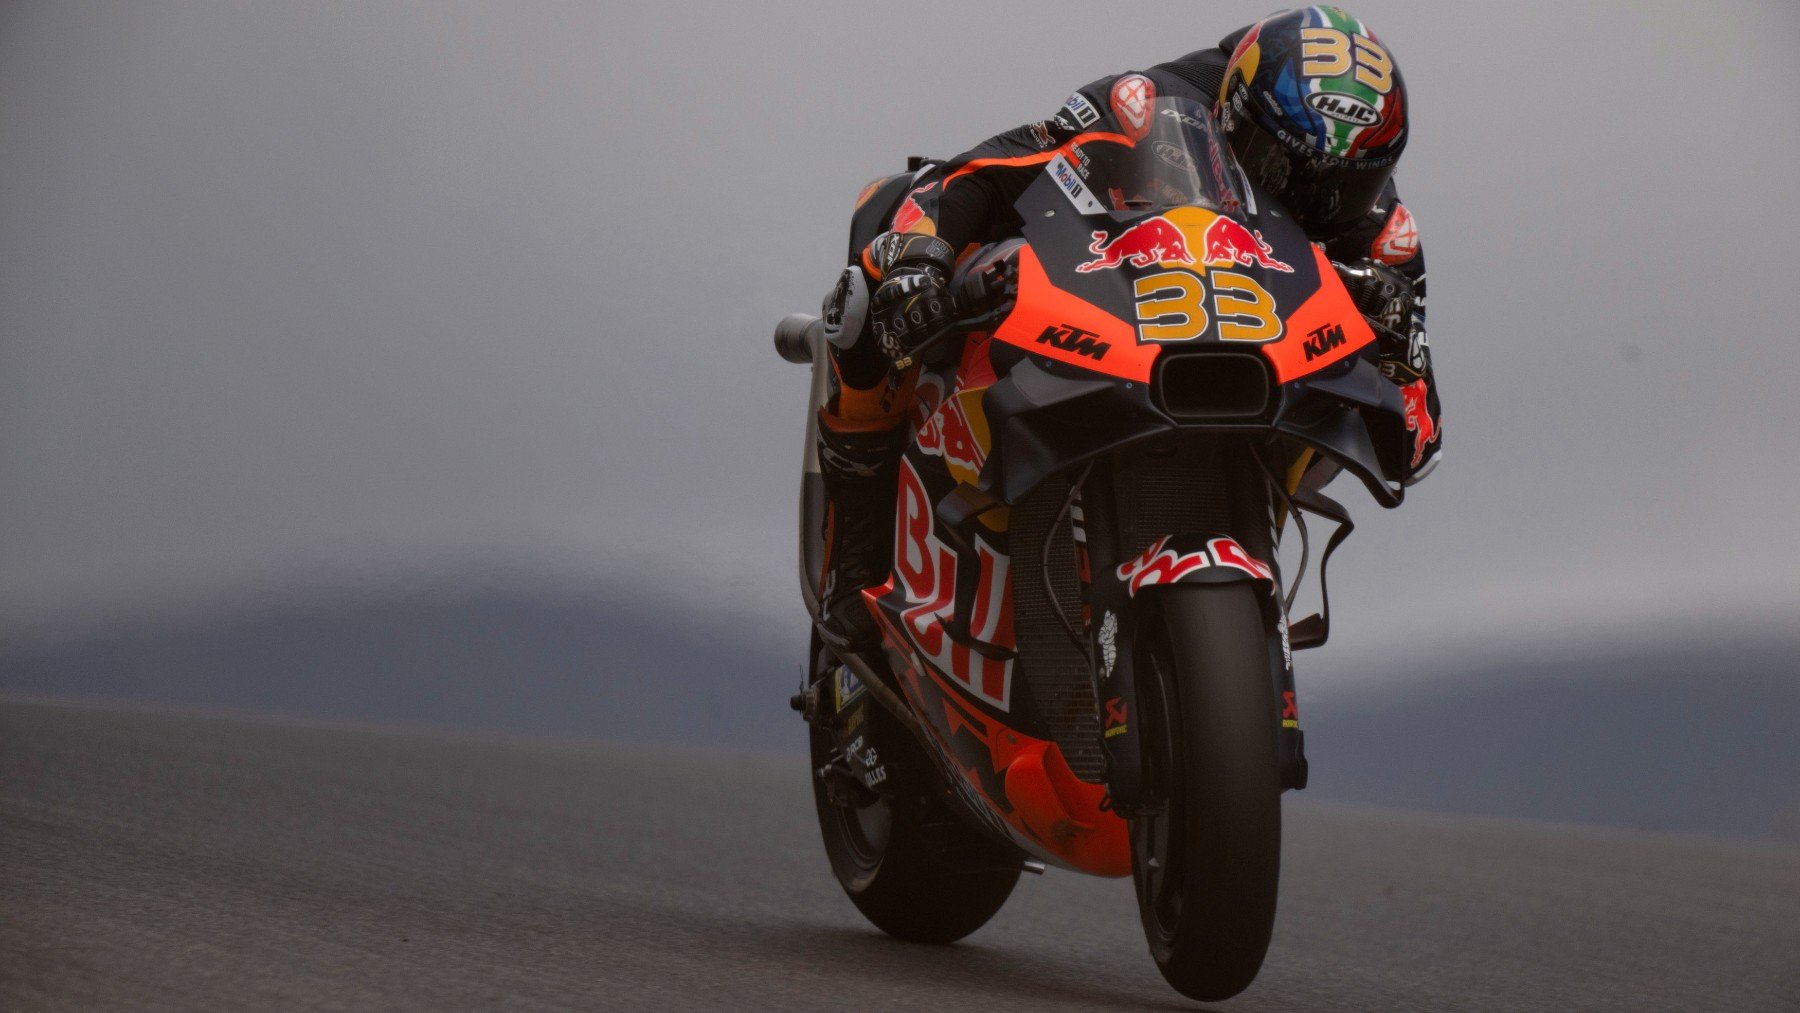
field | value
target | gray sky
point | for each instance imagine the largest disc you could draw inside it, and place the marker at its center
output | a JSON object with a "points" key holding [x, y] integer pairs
{"points": [[294, 291]]}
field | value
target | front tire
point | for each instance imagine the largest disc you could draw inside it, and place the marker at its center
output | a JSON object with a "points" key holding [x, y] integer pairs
{"points": [[1207, 867], [908, 864]]}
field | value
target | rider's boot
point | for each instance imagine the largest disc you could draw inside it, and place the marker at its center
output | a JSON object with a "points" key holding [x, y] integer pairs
{"points": [[859, 469]]}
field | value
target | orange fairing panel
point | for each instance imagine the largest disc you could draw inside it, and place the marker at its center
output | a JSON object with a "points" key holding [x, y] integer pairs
{"points": [[1067, 813], [1023, 780], [1058, 325], [1327, 325]]}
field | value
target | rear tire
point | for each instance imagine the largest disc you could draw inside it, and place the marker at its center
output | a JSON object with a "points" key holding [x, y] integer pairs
{"points": [[908, 864], [1207, 869]]}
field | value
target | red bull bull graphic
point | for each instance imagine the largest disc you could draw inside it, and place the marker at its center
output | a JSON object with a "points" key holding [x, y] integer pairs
{"points": [[1151, 241], [1162, 564], [1224, 242], [1227, 242], [1418, 419], [910, 213]]}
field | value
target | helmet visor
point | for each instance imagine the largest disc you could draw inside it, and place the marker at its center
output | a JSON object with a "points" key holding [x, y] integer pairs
{"points": [[1324, 194]]}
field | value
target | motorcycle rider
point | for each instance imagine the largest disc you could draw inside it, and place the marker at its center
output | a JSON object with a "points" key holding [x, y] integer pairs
{"points": [[1314, 108]]}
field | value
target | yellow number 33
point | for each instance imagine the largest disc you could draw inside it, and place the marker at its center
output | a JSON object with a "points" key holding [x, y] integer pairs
{"points": [[1172, 306], [1326, 52]]}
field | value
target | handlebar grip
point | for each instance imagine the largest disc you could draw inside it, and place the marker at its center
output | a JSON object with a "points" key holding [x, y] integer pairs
{"points": [[797, 336]]}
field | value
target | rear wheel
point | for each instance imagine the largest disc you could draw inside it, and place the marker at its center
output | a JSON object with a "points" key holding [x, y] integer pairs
{"points": [[912, 867], [1206, 867]]}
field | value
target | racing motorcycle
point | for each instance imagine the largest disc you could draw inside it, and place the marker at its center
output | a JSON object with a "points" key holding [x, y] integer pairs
{"points": [[1086, 655]]}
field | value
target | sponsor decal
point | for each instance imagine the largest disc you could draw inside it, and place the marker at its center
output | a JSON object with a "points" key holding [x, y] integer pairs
{"points": [[1151, 241], [910, 213], [1132, 98], [1287, 649], [1184, 305], [1161, 565], [1084, 112], [1157, 566], [873, 770], [1072, 186], [1226, 241], [1115, 717], [1227, 552], [1040, 135], [990, 616], [1109, 646], [925, 571], [1083, 164], [1398, 241], [1322, 339], [949, 435], [1344, 108], [1418, 419], [846, 687], [1070, 338], [1290, 712]]}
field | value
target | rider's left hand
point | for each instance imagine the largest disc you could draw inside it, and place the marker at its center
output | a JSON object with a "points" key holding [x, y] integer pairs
{"points": [[1386, 299], [1383, 294]]}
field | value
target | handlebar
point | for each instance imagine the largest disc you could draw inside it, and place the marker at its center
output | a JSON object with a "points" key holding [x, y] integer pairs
{"points": [[799, 337]]}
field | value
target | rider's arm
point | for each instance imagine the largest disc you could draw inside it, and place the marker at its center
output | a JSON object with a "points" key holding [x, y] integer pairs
{"points": [[1390, 237], [969, 199]]}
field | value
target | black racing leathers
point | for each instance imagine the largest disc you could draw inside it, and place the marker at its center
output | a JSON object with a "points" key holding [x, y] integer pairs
{"points": [[968, 201]]}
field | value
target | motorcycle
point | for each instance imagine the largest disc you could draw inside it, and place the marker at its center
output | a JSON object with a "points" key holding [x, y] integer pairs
{"points": [[1087, 658]]}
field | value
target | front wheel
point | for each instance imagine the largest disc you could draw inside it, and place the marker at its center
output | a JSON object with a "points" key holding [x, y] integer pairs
{"points": [[1206, 867]]}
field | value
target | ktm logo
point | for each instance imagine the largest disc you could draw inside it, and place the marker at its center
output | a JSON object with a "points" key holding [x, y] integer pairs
{"points": [[1322, 340], [1074, 339]]}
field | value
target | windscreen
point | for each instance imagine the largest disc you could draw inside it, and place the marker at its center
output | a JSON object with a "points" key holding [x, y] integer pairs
{"points": [[1181, 161]]}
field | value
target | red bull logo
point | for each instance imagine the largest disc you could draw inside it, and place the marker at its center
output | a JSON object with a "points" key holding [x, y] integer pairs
{"points": [[910, 213], [1152, 241], [1418, 419], [1227, 242]]}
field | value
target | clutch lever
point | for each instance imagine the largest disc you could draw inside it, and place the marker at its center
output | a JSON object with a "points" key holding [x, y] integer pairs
{"points": [[978, 296]]}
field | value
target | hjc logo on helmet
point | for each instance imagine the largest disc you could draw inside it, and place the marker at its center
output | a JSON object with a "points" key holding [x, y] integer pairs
{"points": [[1347, 108]]}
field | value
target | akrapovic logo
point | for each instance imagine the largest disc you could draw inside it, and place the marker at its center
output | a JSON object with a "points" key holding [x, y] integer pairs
{"points": [[1347, 108]]}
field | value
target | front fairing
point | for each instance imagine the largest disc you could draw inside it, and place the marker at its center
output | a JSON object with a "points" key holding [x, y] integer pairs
{"points": [[1113, 286]]}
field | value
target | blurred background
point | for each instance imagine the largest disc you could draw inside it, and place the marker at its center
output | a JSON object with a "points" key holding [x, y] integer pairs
{"points": [[410, 364]]}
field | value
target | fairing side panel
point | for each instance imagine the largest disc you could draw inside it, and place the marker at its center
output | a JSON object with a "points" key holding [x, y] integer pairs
{"points": [[947, 616]]}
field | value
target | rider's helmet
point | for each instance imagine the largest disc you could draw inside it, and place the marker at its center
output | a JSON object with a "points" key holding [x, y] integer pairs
{"points": [[1315, 111]]}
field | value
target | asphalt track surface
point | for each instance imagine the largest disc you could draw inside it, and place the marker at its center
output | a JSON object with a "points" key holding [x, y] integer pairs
{"points": [[152, 860]]}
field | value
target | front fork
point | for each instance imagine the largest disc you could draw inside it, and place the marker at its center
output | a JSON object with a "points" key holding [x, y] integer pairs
{"points": [[1123, 684]]}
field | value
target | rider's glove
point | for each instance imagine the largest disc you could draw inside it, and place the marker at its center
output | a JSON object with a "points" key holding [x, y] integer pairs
{"points": [[1381, 293], [913, 301], [1387, 299]]}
